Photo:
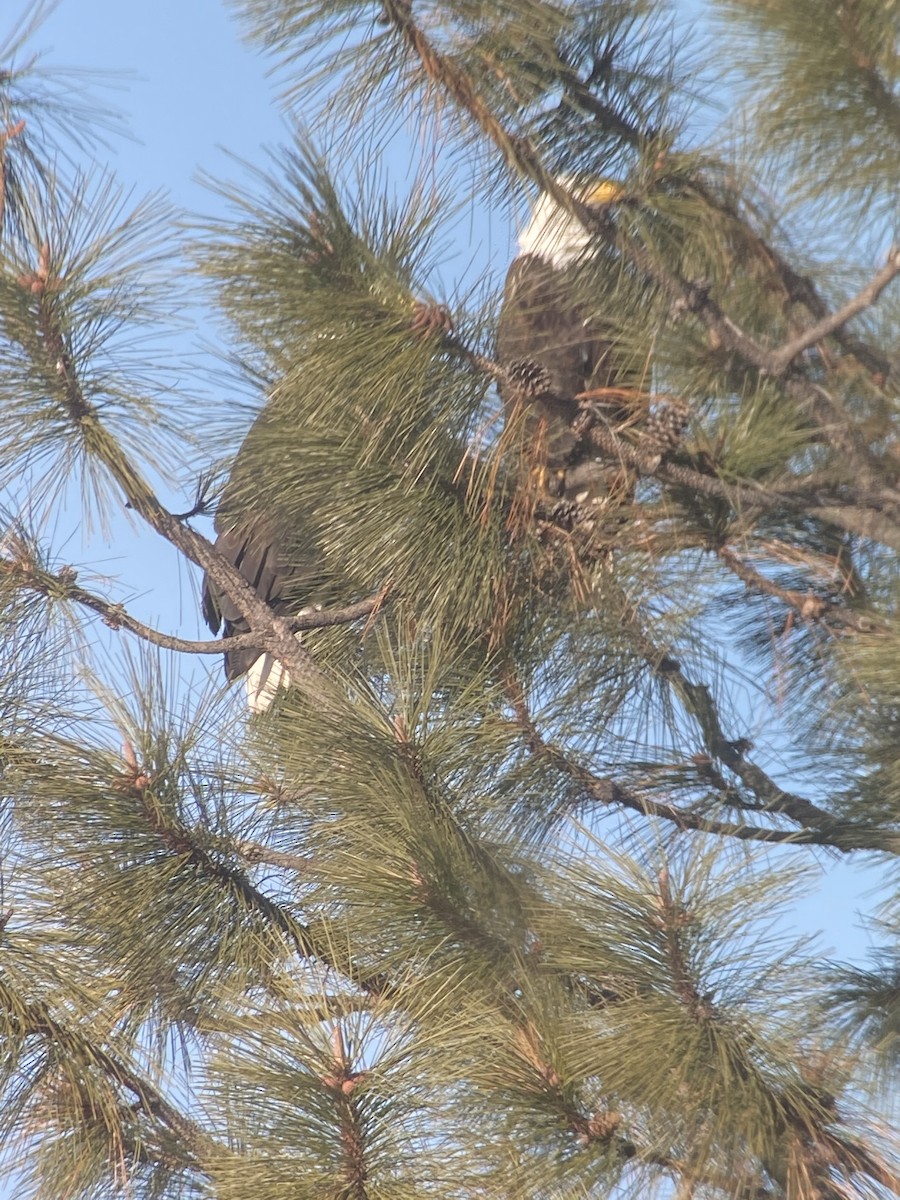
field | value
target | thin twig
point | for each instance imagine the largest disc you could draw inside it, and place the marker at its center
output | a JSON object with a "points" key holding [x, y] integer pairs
{"points": [[257, 853], [6, 136], [481, 361], [783, 356]]}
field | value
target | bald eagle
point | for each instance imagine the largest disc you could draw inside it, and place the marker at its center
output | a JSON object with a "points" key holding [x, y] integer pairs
{"points": [[551, 348], [551, 351]]}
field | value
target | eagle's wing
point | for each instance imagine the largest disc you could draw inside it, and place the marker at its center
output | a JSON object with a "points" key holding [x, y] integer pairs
{"points": [[264, 548], [253, 548]]}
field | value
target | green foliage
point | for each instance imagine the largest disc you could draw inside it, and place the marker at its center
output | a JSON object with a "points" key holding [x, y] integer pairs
{"points": [[824, 79], [871, 1001], [585, 81], [83, 300], [490, 901]]}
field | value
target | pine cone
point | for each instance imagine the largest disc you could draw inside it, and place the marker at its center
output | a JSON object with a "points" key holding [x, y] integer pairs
{"points": [[528, 378], [666, 426]]}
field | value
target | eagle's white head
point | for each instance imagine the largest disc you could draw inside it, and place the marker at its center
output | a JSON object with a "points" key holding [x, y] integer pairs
{"points": [[557, 236]]}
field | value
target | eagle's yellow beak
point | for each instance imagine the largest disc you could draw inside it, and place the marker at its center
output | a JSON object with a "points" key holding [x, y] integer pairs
{"points": [[607, 191]]}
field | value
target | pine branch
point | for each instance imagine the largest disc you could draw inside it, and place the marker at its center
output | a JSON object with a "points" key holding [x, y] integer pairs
{"points": [[342, 1082], [696, 298], [179, 840], [607, 117], [518, 152], [799, 289], [699, 702], [802, 1113], [608, 792], [601, 1127], [817, 826], [27, 574], [853, 516], [673, 918], [860, 520], [33, 1019], [273, 633]]}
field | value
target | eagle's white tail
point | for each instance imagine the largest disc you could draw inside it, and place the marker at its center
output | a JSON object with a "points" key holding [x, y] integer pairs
{"points": [[263, 680], [267, 675]]}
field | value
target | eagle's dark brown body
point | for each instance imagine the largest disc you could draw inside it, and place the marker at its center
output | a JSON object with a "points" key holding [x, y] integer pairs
{"points": [[551, 352], [540, 323]]}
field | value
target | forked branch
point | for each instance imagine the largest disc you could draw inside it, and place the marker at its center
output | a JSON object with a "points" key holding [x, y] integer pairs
{"points": [[604, 790], [54, 359], [782, 357]]}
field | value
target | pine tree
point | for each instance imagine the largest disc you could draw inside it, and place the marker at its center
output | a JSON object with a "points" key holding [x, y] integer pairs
{"points": [[485, 904]]}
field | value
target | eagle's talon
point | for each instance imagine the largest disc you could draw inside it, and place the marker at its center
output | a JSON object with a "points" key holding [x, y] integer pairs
{"points": [[556, 483]]}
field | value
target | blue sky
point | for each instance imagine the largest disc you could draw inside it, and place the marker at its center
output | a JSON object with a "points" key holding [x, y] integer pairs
{"points": [[180, 75]]}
